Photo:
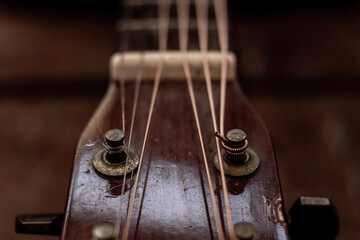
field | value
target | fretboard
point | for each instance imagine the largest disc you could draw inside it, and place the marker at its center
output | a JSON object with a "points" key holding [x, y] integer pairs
{"points": [[137, 27]]}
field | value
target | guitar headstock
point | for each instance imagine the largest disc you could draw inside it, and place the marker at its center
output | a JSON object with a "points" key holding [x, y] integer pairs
{"points": [[173, 197]]}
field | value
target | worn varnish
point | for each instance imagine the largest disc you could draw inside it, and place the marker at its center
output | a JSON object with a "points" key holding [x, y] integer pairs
{"points": [[172, 200]]}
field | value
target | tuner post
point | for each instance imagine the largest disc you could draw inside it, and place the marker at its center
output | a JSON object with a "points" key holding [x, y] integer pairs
{"points": [[238, 159], [114, 146], [115, 159], [234, 145]]}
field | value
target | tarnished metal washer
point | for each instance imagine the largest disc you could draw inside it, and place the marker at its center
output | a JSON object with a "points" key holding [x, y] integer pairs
{"points": [[115, 169], [246, 168]]}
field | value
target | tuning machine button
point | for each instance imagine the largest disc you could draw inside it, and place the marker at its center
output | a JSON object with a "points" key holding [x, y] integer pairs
{"points": [[46, 224], [238, 159], [313, 218]]}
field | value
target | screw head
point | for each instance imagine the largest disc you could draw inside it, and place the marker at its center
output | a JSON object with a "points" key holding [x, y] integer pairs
{"points": [[115, 138], [244, 231], [103, 231], [236, 136]]}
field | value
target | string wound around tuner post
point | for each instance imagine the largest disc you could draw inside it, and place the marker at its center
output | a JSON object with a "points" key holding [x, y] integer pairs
{"points": [[239, 160]]}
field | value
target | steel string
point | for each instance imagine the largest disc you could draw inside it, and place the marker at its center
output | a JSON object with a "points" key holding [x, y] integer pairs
{"points": [[164, 10], [202, 21], [183, 19], [222, 25], [135, 101]]}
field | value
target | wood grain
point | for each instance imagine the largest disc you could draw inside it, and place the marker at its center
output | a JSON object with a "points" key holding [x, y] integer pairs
{"points": [[173, 199]]}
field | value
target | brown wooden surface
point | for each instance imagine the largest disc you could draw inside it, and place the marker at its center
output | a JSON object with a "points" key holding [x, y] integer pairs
{"points": [[41, 98], [173, 197], [37, 170]]}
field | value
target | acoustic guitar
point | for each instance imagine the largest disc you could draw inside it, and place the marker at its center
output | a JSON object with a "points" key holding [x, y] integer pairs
{"points": [[174, 150]]}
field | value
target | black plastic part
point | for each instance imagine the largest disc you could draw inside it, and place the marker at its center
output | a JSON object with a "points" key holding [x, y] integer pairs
{"points": [[313, 218], [46, 224]]}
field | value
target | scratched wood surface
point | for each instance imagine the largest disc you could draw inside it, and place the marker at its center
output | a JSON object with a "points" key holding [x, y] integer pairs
{"points": [[35, 105], [172, 199]]}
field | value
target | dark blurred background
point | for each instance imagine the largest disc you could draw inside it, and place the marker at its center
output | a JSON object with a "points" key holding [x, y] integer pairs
{"points": [[299, 64]]}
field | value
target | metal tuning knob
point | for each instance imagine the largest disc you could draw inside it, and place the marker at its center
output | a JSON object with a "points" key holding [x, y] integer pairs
{"points": [[115, 159], [238, 159]]}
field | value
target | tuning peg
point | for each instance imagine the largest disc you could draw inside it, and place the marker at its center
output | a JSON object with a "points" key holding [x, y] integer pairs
{"points": [[239, 160], [46, 224], [313, 218]]}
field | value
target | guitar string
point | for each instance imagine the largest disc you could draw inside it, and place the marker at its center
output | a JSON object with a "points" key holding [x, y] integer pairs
{"points": [[183, 21], [137, 90], [122, 103], [202, 21], [164, 10], [222, 25], [122, 93], [135, 101]]}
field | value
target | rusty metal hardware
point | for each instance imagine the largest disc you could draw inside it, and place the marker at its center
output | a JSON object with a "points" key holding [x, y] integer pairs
{"points": [[313, 218], [234, 145], [239, 160], [46, 224], [114, 146], [115, 159]]}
